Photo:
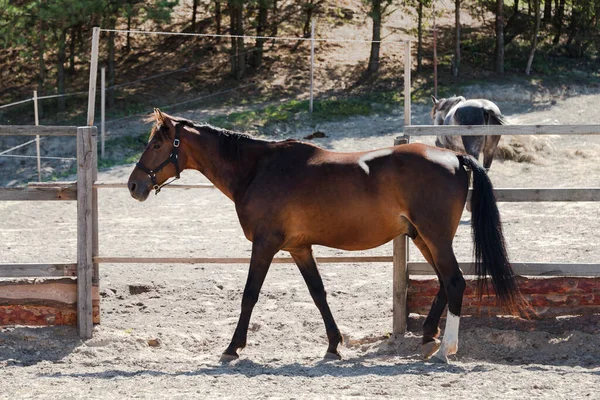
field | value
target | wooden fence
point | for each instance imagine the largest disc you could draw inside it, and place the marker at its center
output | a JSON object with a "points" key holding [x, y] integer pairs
{"points": [[52, 301], [59, 293], [572, 288]]}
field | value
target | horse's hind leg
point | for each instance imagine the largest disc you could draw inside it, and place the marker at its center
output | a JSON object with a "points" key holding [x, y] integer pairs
{"points": [[308, 268], [454, 283], [489, 149], [262, 255], [431, 330]]}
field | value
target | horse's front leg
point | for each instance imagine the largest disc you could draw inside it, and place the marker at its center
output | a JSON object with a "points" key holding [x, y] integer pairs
{"points": [[308, 268], [262, 255]]}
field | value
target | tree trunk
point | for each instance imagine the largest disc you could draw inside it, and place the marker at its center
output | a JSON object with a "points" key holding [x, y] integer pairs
{"points": [[500, 37], [376, 43], [42, 65], [516, 7], [218, 17], [128, 42], [261, 27], [538, 17], [420, 36], [558, 21], [72, 51], [547, 11], [60, 70], [309, 8], [275, 19], [110, 93], [238, 59], [194, 11], [456, 64]]}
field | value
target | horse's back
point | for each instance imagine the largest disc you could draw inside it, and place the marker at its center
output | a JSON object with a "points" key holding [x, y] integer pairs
{"points": [[323, 197]]}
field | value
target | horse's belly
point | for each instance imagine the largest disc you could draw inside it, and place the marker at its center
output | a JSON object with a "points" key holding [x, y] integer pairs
{"points": [[351, 232]]}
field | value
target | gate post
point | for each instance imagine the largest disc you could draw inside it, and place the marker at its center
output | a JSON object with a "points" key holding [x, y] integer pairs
{"points": [[400, 274], [86, 145]]}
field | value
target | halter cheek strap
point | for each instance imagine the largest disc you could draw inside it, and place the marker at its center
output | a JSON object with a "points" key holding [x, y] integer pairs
{"points": [[173, 158]]}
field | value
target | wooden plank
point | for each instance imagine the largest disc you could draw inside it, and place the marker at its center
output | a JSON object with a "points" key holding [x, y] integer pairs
{"points": [[534, 195], [93, 76], [520, 268], [234, 260], [407, 85], [32, 130], [485, 130], [400, 285], [115, 185], [37, 270], [38, 194], [84, 231], [502, 194]]}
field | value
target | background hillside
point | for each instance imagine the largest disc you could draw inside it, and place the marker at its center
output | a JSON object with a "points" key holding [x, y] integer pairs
{"points": [[261, 85]]}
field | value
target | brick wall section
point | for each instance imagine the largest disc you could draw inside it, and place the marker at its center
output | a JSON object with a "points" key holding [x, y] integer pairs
{"points": [[549, 297]]}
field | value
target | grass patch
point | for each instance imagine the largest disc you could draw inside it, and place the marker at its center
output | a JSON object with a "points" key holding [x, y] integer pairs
{"points": [[294, 111]]}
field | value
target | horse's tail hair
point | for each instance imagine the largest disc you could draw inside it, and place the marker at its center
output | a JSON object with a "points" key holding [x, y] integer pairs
{"points": [[491, 257], [493, 118]]}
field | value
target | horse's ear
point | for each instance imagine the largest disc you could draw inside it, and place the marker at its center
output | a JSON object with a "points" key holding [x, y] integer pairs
{"points": [[160, 117], [435, 101]]}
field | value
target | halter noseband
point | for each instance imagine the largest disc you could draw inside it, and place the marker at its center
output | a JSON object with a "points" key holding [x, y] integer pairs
{"points": [[173, 158]]}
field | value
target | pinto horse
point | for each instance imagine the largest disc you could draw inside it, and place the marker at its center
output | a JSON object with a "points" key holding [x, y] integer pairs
{"points": [[290, 195], [457, 110]]}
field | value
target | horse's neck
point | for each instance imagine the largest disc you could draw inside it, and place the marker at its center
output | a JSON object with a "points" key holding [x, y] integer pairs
{"points": [[227, 161]]}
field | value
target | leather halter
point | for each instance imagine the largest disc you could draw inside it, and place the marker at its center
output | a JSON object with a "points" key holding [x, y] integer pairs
{"points": [[173, 158]]}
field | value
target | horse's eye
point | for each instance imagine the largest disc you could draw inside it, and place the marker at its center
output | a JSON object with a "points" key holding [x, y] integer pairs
{"points": [[156, 146]]}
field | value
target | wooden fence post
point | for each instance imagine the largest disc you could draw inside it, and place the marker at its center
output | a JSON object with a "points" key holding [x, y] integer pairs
{"points": [[407, 83], [312, 64], [86, 138], [400, 274]]}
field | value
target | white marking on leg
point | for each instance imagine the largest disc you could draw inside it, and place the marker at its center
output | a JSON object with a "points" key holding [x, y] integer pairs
{"points": [[450, 341], [362, 161]]}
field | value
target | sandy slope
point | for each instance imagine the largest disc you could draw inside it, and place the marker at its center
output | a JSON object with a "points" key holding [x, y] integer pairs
{"points": [[192, 310]]}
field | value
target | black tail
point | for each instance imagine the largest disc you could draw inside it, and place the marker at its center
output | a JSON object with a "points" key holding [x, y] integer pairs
{"points": [[491, 257], [491, 118]]}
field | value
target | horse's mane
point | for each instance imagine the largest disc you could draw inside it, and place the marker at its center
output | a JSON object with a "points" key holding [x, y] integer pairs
{"points": [[446, 104], [229, 141]]}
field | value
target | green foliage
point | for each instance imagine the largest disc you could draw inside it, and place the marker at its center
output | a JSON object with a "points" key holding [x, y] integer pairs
{"points": [[297, 110]]}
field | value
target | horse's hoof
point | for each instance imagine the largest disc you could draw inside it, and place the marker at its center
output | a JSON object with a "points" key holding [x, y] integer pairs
{"points": [[227, 358], [332, 356], [439, 358], [430, 348]]}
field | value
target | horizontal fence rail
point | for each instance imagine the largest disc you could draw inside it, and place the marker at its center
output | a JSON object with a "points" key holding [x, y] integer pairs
{"points": [[66, 189], [37, 270], [486, 130], [232, 260], [33, 130]]}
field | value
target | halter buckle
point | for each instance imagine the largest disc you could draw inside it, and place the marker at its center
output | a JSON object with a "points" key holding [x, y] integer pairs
{"points": [[176, 143]]}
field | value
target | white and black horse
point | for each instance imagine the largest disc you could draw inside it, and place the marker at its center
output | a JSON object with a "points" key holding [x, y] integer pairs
{"points": [[457, 110]]}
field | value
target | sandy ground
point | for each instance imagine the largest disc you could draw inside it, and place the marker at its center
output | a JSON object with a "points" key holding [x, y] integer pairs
{"points": [[191, 311]]}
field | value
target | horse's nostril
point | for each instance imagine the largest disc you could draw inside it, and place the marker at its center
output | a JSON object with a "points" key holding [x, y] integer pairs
{"points": [[132, 187]]}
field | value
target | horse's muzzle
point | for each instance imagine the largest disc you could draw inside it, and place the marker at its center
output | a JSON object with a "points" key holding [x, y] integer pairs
{"points": [[138, 191]]}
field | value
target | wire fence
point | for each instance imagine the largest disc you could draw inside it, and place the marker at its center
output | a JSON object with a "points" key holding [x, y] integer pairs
{"points": [[215, 61]]}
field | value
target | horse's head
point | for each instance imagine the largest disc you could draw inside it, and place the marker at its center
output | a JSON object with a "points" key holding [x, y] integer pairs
{"points": [[441, 107], [159, 161]]}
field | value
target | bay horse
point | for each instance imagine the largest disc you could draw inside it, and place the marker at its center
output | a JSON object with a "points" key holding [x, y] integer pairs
{"points": [[291, 195], [457, 110]]}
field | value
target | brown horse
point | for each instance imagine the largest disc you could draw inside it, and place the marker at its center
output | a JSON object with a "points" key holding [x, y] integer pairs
{"points": [[291, 195]]}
